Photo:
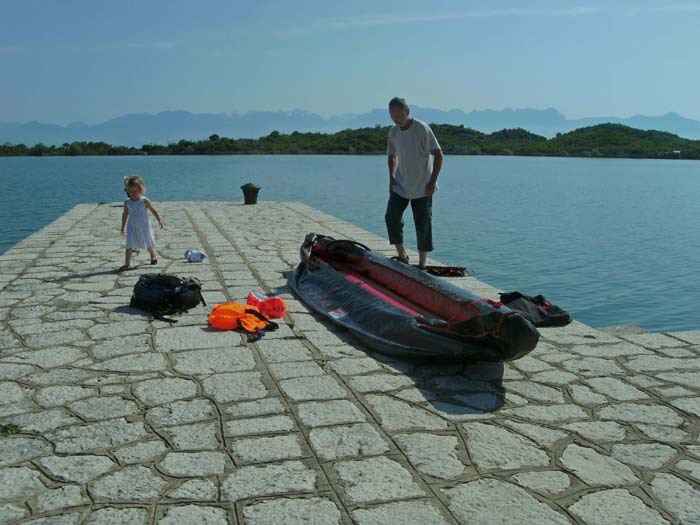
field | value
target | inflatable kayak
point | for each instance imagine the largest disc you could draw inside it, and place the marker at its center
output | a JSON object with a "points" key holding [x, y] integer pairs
{"points": [[397, 309]]}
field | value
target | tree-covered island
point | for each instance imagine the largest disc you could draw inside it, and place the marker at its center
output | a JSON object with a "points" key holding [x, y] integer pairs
{"points": [[603, 140]]}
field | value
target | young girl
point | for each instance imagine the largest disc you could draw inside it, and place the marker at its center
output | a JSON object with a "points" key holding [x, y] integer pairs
{"points": [[139, 233]]}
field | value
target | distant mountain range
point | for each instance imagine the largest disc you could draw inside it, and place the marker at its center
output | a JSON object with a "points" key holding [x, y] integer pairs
{"points": [[168, 126]]}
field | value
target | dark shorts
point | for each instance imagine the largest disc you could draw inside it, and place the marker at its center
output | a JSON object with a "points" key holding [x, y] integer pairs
{"points": [[422, 217]]}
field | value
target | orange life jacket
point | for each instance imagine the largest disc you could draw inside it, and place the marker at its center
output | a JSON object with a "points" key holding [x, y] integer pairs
{"points": [[235, 316]]}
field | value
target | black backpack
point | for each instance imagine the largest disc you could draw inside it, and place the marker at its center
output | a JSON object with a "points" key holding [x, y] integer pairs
{"points": [[538, 310], [162, 294]]}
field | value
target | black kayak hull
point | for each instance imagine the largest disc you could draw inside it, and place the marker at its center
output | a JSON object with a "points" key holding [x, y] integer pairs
{"points": [[391, 306]]}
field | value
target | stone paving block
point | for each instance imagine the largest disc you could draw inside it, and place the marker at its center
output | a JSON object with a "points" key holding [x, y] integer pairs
{"points": [[192, 337], [548, 413], [214, 361], [654, 363], [114, 330], [194, 514], [79, 469], [691, 468], [133, 363], [160, 391], [65, 519], [105, 434], [141, 452], [43, 421], [593, 367], [292, 511], [535, 391], [432, 454], [130, 484], [379, 382], [616, 389], [179, 412], [259, 425], [691, 379], [689, 405], [495, 447], [278, 351], [539, 434], [54, 396], [633, 412], [643, 455], [118, 516], [20, 482], [193, 464], [691, 336], [652, 340], [323, 413], [422, 512], [264, 449], [11, 512], [584, 395], [547, 482], [678, 497], [672, 391], [594, 468], [353, 366], [292, 369], [259, 407], [99, 408], [235, 386], [481, 500], [15, 371], [616, 506], [397, 415], [554, 377], [347, 441], [54, 338], [308, 388], [598, 431], [195, 489], [663, 433], [18, 449], [61, 498], [375, 479], [200, 436], [49, 358], [267, 480]]}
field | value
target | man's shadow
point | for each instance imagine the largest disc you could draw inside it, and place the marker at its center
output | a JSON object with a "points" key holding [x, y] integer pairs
{"points": [[84, 275]]}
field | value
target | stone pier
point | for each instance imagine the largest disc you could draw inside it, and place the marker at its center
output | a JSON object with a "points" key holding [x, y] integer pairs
{"points": [[109, 417]]}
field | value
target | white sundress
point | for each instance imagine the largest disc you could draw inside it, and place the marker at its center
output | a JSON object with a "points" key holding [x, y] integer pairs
{"points": [[139, 232]]}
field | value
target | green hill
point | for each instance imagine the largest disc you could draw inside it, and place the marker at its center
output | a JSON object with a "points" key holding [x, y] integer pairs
{"points": [[603, 140]]}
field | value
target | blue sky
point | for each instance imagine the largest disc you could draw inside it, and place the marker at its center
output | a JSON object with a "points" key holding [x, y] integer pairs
{"points": [[90, 61]]}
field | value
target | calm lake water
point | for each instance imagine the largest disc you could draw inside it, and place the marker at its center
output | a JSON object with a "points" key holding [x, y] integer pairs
{"points": [[614, 241]]}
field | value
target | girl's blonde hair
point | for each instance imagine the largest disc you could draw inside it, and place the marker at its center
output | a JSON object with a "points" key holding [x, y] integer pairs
{"points": [[135, 181]]}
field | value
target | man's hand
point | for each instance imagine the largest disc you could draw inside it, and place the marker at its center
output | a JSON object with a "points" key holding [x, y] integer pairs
{"points": [[392, 183], [429, 188], [122, 232]]}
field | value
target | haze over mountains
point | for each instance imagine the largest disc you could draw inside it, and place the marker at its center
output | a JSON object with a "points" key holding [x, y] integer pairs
{"points": [[161, 128]]}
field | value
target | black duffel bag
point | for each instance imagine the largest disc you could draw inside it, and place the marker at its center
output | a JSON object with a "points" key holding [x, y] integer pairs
{"points": [[163, 294]]}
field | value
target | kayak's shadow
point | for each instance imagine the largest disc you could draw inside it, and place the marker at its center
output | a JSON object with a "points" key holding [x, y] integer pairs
{"points": [[456, 391]]}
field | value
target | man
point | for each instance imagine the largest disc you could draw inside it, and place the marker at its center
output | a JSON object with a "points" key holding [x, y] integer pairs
{"points": [[412, 178]]}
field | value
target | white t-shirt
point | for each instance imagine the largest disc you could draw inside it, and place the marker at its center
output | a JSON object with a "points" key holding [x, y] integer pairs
{"points": [[412, 147]]}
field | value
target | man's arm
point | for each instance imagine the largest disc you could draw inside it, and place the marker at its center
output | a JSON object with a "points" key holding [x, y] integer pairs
{"points": [[393, 163], [437, 165]]}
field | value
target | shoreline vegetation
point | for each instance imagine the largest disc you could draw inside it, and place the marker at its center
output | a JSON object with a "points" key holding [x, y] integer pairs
{"points": [[599, 141]]}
